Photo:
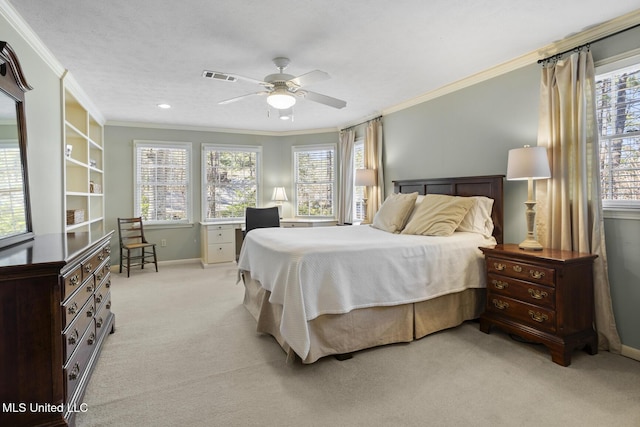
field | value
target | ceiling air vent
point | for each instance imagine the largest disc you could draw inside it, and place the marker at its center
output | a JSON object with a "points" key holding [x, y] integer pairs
{"points": [[218, 76]]}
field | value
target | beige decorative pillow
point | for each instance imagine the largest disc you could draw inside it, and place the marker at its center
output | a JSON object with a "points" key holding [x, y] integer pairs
{"points": [[438, 215], [393, 214], [478, 219]]}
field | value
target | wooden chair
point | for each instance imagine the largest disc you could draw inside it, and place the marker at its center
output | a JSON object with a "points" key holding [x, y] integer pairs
{"points": [[132, 238], [261, 218]]}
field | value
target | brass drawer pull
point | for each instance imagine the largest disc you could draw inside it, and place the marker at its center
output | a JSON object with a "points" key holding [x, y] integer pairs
{"points": [[99, 322], [88, 268], [73, 308], [536, 274], [498, 266], [92, 339], [537, 294], [89, 288], [75, 279], [100, 275], [107, 250], [101, 257], [499, 284], [107, 266], [99, 298], [538, 317], [74, 337], [73, 375], [108, 284], [501, 305], [90, 312], [517, 269]]}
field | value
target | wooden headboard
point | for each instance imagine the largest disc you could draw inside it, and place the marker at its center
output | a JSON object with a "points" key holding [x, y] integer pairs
{"points": [[489, 186]]}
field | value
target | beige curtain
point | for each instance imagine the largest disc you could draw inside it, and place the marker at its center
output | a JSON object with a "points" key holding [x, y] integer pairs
{"points": [[345, 195], [569, 204], [373, 160]]}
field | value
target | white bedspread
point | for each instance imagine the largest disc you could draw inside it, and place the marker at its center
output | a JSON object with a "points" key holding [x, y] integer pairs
{"points": [[329, 270]]}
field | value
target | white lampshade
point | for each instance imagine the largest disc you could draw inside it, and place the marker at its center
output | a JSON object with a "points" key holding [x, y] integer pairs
{"points": [[365, 177], [528, 162], [281, 100], [279, 195]]}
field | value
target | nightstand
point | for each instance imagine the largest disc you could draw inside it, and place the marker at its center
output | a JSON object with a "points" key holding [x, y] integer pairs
{"points": [[542, 296]]}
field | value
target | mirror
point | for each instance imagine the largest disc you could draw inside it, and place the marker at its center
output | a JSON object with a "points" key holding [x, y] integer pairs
{"points": [[15, 213]]}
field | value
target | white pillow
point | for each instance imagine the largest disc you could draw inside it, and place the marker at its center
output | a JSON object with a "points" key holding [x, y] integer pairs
{"points": [[478, 219], [393, 214], [438, 215]]}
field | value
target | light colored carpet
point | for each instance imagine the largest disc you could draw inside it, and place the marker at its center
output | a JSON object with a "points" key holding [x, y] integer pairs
{"points": [[185, 353]]}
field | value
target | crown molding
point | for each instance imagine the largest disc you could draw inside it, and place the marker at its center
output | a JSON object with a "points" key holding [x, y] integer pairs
{"points": [[588, 35], [146, 125]]}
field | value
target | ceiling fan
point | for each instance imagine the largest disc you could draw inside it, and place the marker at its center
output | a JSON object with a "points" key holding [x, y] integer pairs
{"points": [[281, 89]]}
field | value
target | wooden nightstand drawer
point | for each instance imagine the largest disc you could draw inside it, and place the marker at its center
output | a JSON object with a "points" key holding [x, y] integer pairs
{"points": [[532, 315], [544, 296], [521, 270]]}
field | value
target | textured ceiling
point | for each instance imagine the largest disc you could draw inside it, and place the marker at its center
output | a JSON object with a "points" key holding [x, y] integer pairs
{"points": [[130, 55]]}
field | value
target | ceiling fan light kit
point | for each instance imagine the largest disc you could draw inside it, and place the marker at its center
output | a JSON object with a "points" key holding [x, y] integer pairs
{"points": [[281, 89]]}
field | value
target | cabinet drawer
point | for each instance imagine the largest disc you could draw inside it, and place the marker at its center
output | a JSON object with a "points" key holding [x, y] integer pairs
{"points": [[71, 336], [294, 224], [76, 367], [521, 270], [223, 252], [90, 265], [71, 281], [535, 316], [102, 316], [525, 291], [74, 305], [225, 235]]}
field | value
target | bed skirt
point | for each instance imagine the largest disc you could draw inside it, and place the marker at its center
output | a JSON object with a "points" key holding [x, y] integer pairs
{"points": [[333, 334]]}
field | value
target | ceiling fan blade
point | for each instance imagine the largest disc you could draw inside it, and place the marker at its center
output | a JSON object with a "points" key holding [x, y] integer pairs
{"points": [[324, 99], [238, 98], [226, 77], [310, 78]]}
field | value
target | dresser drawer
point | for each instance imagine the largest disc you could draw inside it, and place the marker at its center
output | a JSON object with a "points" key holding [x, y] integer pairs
{"points": [[222, 235], [294, 224], [532, 315], [90, 265], [71, 281], [74, 305], [76, 367], [71, 336], [521, 270], [544, 296], [102, 316]]}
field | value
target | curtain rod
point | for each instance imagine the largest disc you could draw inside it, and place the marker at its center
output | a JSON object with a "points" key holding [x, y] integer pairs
{"points": [[558, 56], [366, 121]]}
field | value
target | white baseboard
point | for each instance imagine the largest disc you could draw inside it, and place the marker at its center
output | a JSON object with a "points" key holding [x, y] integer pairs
{"points": [[179, 261], [630, 352]]}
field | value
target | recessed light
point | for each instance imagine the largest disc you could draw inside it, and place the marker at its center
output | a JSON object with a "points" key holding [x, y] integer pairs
{"points": [[164, 106]]}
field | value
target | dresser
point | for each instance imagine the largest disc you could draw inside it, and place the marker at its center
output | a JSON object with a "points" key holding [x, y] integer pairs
{"points": [[218, 242], [55, 313], [542, 296]]}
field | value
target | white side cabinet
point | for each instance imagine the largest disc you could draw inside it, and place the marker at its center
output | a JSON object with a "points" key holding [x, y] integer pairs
{"points": [[298, 222], [218, 243]]}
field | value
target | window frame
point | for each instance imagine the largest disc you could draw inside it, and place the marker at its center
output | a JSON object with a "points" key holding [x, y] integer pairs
{"points": [[626, 209], [203, 172], [357, 145], [310, 148], [187, 147]]}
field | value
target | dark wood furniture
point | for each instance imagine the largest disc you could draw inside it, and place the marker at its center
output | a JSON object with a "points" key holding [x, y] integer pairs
{"points": [[55, 312], [131, 235], [543, 296]]}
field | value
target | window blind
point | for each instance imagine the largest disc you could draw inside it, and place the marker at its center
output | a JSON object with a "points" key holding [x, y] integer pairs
{"points": [[12, 208], [314, 176], [162, 182]]}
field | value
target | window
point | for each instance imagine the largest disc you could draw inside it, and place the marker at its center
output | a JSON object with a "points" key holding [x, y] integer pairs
{"points": [[230, 180], [314, 180], [163, 188], [618, 113], [358, 191], [12, 207]]}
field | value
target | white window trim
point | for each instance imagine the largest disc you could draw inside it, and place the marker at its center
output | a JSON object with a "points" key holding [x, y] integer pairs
{"points": [[203, 177], [619, 209], [303, 148], [165, 144]]}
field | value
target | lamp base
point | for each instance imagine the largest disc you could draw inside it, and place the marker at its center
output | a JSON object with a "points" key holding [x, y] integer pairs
{"points": [[530, 245]]}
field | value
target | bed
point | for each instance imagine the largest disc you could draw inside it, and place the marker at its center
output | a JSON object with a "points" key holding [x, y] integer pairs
{"points": [[336, 290]]}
